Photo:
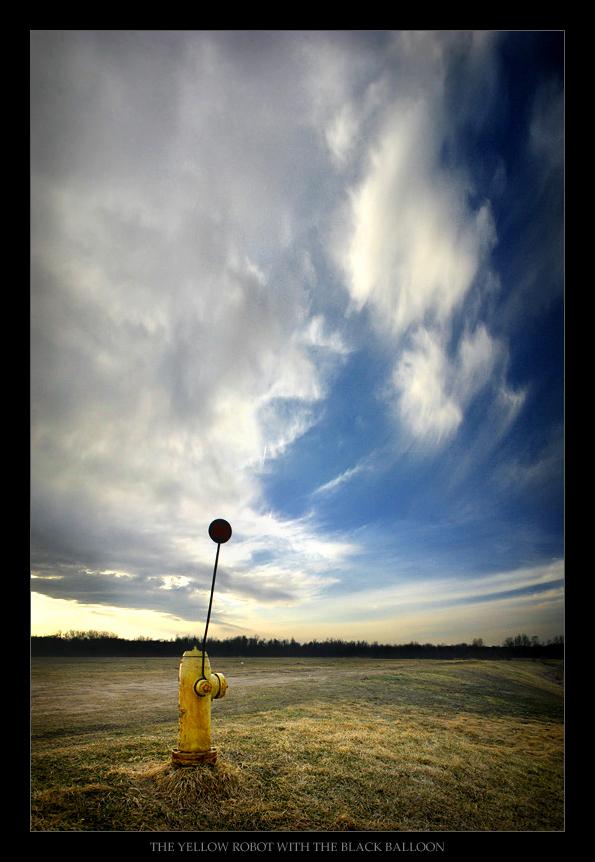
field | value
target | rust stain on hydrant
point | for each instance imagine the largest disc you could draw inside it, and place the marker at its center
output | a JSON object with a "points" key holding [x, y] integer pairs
{"points": [[198, 688]]}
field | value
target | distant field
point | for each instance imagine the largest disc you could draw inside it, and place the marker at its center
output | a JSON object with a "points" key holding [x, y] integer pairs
{"points": [[304, 745]]}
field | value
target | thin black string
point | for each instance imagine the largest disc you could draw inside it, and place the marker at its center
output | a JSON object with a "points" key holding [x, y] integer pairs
{"points": [[204, 641]]}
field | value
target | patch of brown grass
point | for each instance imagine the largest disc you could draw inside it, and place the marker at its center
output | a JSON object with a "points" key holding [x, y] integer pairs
{"points": [[197, 786]]}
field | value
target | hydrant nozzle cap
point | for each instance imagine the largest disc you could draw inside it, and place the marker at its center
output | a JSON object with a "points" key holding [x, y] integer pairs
{"points": [[203, 687]]}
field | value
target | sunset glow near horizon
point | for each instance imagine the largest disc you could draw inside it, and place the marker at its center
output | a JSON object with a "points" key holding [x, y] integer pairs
{"points": [[310, 282]]}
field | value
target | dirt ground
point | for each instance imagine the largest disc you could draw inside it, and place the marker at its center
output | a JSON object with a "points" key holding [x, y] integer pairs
{"points": [[84, 691]]}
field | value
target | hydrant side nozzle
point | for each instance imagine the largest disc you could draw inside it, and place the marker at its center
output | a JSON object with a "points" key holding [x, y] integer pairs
{"points": [[222, 685], [216, 686]]}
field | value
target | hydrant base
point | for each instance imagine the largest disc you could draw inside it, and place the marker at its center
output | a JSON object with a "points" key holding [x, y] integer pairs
{"points": [[193, 758]]}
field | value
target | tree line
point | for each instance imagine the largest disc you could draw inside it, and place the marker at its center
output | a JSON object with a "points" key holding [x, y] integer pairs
{"points": [[96, 643]]}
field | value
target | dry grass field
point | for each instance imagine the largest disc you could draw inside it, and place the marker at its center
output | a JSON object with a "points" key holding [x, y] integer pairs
{"points": [[304, 746]]}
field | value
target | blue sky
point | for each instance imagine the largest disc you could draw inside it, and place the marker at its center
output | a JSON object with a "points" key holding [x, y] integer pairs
{"points": [[311, 282]]}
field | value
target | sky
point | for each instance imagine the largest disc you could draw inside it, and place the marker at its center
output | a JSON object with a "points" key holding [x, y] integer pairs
{"points": [[310, 282]]}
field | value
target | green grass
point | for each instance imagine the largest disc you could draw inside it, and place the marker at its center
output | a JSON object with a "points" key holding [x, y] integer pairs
{"points": [[321, 746]]}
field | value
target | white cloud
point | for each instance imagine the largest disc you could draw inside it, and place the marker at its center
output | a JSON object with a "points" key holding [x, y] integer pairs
{"points": [[426, 406], [172, 386], [446, 609], [416, 251], [341, 133], [416, 246], [434, 389], [333, 484]]}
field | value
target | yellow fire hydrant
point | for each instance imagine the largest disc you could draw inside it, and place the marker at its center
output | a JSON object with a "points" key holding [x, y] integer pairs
{"points": [[198, 688]]}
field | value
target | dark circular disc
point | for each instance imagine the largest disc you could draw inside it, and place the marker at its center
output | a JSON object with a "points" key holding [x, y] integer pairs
{"points": [[220, 531]]}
